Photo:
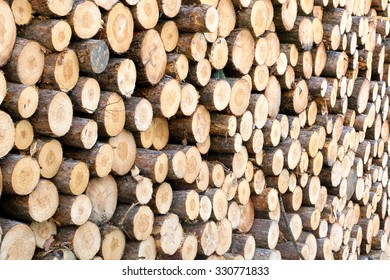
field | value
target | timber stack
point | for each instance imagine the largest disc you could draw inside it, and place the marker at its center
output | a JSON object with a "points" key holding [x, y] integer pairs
{"points": [[194, 129]]}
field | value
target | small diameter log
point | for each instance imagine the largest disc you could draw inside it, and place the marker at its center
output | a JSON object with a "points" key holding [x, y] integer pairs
{"points": [[142, 250], [169, 34], [193, 45], [93, 55], [73, 210], [265, 232], [293, 200], [256, 17], [49, 154], [289, 252], [24, 134], [162, 198], [294, 222], [193, 129], [103, 193], [44, 233], [8, 37], [85, 239], [21, 101], [20, 174], [53, 34], [40, 205], [85, 19], [188, 100], [145, 13], [61, 70], [26, 62], [197, 18], [218, 53], [187, 250], [111, 114], [52, 8], [219, 201], [118, 39], [72, 177], [18, 240], [119, 75], [224, 236], [153, 164], [22, 11], [99, 158], [83, 133], [301, 33], [177, 66], [113, 242], [124, 148], [165, 97], [177, 167], [360, 95], [54, 113], [241, 47], [205, 208], [227, 18], [185, 204], [137, 189], [272, 132], [267, 200], [207, 234], [199, 73], [304, 66], [273, 161], [266, 254], [169, 8], [244, 245], [296, 100], [168, 233], [215, 96], [149, 55], [85, 95]]}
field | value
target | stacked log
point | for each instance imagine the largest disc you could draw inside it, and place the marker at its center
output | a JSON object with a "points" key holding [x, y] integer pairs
{"points": [[184, 130]]}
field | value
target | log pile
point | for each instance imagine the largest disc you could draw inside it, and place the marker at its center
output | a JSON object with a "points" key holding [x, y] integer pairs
{"points": [[194, 129]]}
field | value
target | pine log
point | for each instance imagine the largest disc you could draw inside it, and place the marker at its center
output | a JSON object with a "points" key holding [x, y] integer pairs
{"points": [[85, 19], [85, 95], [39, 205], [153, 164], [26, 63], [83, 133], [61, 70], [162, 198], [44, 233], [21, 101], [18, 241], [8, 34], [227, 18], [85, 239], [73, 210], [145, 13], [177, 66], [53, 34], [265, 232], [140, 250], [22, 11], [24, 134], [93, 55], [168, 233], [207, 234], [113, 242], [215, 96]]}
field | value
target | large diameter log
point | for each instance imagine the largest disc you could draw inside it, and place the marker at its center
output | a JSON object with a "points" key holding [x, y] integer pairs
{"points": [[149, 55], [85, 239], [99, 158], [26, 62], [118, 39], [241, 51], [103, 193], [72, 177], [53, 34], [73, 210], [20, 174], [61, 70], [85, 19], [39, 205], [18, 240], [197, 18], [168, 233]]}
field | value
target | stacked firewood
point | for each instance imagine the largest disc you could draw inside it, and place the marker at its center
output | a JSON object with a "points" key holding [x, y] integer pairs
{"points": [[194, 129]]}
